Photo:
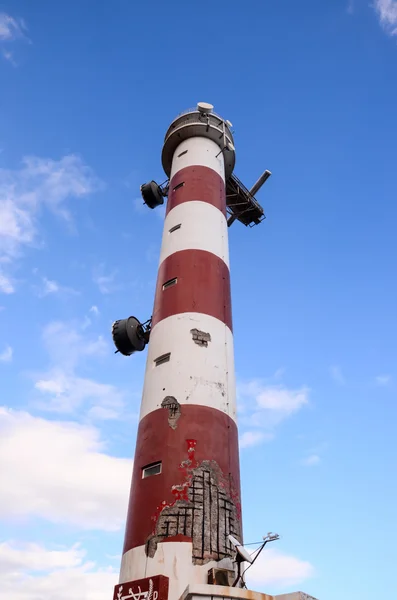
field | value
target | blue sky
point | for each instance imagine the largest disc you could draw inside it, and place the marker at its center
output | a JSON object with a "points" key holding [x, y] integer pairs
{"points": [[88, 90]]}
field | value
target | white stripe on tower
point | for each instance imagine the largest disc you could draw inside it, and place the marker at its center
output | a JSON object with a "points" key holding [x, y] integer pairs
{"points": [[197, 225], [179, 519]]}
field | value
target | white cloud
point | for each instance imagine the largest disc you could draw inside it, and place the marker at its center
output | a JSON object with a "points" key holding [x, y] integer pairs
{"points": [[383, 380], [33, 572], [105, 281], [279, 373], [86, 323], [10, 57], [50, 286], [253, 438], [60, 472], [387, 13], [64, 390], [69, 392], [282, 400], [6, 286], [311, 461], [34, 557], [337, 375], [262, 407], [11, 28], [95, 310], [67, 346], [104, 413], [273, 568], [250, 438], [40, 183], [6, 355]]}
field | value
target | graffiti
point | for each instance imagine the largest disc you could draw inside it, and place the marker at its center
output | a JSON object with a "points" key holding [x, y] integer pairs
{"points": [[174, 410], [203, 511], [139, 595], [156, 589]]}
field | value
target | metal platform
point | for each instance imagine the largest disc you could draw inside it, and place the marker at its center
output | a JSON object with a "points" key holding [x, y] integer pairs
{"points": [[241, 205]]}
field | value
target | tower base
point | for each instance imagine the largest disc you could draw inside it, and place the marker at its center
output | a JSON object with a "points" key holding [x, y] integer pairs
{"points": [[218, 592], [156, 588]]}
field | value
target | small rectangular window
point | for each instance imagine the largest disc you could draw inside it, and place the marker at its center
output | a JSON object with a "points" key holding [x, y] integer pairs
{"points": [[170, 283], [179, 185], [162, 359], [175, 227], [152, 469], [182, 153]]}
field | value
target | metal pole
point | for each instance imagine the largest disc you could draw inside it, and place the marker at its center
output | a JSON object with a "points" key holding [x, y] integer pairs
{"points": [[260, 182]]}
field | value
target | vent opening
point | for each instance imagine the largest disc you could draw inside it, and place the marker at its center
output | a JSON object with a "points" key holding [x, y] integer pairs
{"points": [[162, 359], [179, 186], [152, 469], [170, 283], [175, 227]]}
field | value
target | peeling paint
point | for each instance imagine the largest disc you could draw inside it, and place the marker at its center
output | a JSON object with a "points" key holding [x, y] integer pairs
{"points": [[206, 510], [201, 338], [174, 410]]}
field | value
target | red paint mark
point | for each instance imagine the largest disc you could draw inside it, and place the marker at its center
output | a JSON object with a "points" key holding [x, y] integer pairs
{"points": [[180, 491]]}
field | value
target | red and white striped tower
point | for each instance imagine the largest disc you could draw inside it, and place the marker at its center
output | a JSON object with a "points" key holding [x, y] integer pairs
{"points": [[185, 492]]}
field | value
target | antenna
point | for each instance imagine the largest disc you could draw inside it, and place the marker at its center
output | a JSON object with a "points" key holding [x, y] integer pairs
{"points": [[244, 556], [241, 551]]}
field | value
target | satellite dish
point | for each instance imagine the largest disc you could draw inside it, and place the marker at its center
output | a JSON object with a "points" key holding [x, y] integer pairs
{"points": [[152, 194], [128, 336], [243, 553], [204, 107]]}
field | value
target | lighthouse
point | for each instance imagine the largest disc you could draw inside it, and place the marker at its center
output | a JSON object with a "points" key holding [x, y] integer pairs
{"points": [[184, 513]]}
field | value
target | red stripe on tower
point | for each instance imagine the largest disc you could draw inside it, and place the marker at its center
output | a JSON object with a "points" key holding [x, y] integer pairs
{"points": [[197, 183]]}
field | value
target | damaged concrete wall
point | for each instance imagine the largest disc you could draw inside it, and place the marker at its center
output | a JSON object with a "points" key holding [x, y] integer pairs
{"points": [[204, 513]]}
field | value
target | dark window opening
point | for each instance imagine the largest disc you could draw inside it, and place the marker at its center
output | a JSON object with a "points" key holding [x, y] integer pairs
{"points": [[152, 469]]}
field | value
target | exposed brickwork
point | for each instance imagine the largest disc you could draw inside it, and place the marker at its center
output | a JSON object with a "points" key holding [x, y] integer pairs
{"points": [[201, 338], [174, 410], [205, 514]]}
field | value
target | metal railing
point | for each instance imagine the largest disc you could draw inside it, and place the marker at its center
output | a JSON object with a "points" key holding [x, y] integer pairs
{"points": [[195, 110]]}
